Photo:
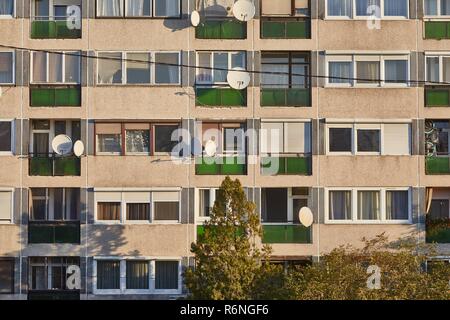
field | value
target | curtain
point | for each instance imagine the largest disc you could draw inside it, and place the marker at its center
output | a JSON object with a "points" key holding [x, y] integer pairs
{"points": [[72, 68], [368, 205], [397, 8], [445, 7], [166, 210], [340, 70], [446, 69], [40, 144], [109, 67], [342, 8], [167, 8], [220, 61], [340, 205], [138, 8], [396, 71], [204, 60], [364, 7], [397, 205], [55, 67], [137, 141], [108, 274], [108, 211], [138, 72], [6, 7], [39, 67], [433, 69], [110, 143], [166, 274], [430, 7], [6, 72], [138, 211], [367, 70], [110, 8], [5, 136], [167, 73], [39, 278], [137, 275]]}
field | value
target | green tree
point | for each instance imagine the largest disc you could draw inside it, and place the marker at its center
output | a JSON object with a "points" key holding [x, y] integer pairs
{"points": [[230, 263]]}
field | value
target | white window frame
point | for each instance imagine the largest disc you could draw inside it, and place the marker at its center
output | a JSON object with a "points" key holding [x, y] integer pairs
{"points": [[438, 15], [106, 153], [283, 135], [123, 274], [63, 68], [7, 16], [356, 17], [290, 207], [13, 54], [151, 16], [11, 152], [367, 126], [212, 199], [354, 205], [50, 210], [441, 57], [211, 65], [154, 221], [123, 56], [11, 216], [327, 138], [50, 131], [343, 58]]}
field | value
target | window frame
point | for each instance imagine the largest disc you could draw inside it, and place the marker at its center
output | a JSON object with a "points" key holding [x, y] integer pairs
{"points": [[12, 151], [153, 210], [354, 205], [354, 16], [440, 56], [14, 14], [63, 68], [292, 14], [212, 191], [152, 13], [13, 67], [284, 122], [212, 83], [50, 216], [11, 214], [438, 15]]}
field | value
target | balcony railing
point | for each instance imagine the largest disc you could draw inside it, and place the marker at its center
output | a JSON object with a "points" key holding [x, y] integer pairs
{"points": [[286, 233], [52, 165], [53, 28], [201, 230], [285, 97], [438, 230], [220, 97], [437, 96], [221, 165], [437, 165], [285, 29], [221, 29], [437, 30], [54, 295], [287, 165], [54, 232], [55, 95]]}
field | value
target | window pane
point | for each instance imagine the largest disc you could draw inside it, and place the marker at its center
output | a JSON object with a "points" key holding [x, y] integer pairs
{"points": [[109, 143], [168, 71], [340, 139], [39, 67], [433, 69], [368, 140], [109, 68], [368, 205], [204, 60], [238, 60], [138, 8], [6, 65], [397, 205], [166, 211], [397, 8], [220, 62], [138, 72], [300, 76], [108, 211], [431, 7], [72, 68], [5, 136], [446, 69], [163, 138], [278, 78], [6, 8], [445, 7], [367, 71], [166, 274], [109, 8], [58, 208], [439, 209], [39, 279], [108, 274], [274, 204], [137, 275], [6, 275], [340, 72], [341, 8], [138, 211], [340, 205], [366, 7], [396, 71], [55, 67], [204, 201], [5, 205], [234, 140], [167, 8], [137, 141]]}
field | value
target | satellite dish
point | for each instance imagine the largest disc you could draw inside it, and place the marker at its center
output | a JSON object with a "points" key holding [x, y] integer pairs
{"points": [[78, 148], [306, 217], [244, 10], [195, 18], [210, 148], [62, 144], [238, 78]]}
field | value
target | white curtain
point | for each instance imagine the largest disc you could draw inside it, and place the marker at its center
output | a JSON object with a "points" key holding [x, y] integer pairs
{"points": [[6, 7], [341, 8], [340, 205], [367, 71], [110, 8], [167, 73], [167, 8], [39, 67], [135, 8], [340, 70], [396, 71], [220, 61], [368, 205], [430, 7], [110, 68], [204, 75], [397, 205], [6, 74], [363, 7], [433, 69], [397, 8], [72, 68]]}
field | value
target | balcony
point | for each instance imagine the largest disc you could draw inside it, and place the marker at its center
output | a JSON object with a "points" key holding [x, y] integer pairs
{"points": [[437, 96], [437, 165], [285, 97], [220, 97], [437, 30], [438, 230], [285, 29], [51, 165], [221, 29], [54, 232], [287, 165], [44, 28], [54, 295], [224, 165], [55, 95], [201, 230], [287, 233]]}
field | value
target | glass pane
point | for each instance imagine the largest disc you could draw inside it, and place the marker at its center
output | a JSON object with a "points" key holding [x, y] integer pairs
{"points": [[233, 140], [108, 211], [5, 136], [431, 7], [39, 209], [60, 12], [138, 72], [445, 7], [41, 144], [341, 8], [439, 209], [6, 66], [340, 139], [60, 127], [58, 207], [41, 124], [39, 278], [300, 76], [166, 274], [108, 274], [204, 202], [275, 75], [109, 68], [166, 211], [274, 205], [340, 205], [6, 276], [396, 71], [72, 68], [396, 8], [339, 72], [163, 138], [238, 60], [41, 8], [446, 69], [167, 8], [367, 71], [138, 211], [204, 60], [6, 7], [58, 277], [109, 8], [166, 68], [367, 7], [138, 8], [220, 62], [433, 69], [110, 143], [137, 275], [397, 205], [368, 205], [55, 67], [368, 140], [39, 67], [137, 141]]}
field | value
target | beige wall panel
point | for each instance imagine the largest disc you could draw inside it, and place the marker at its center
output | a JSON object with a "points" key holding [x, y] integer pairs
{"points": [[9, 240]]}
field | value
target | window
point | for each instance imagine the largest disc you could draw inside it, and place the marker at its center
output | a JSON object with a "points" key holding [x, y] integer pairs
{"points": [[138, 275], [137, 139], [6, 206], [293, 69], [139, 69], [436, 137], [6, 9], [285, 137], [138, 211], [109, 138], [63, 67], [340, 207], [207, 198], [49, 273], [437, 7], [281, 205], [109, 211], [6, 274], [213, 62], [368, 140], [108, 274], [139, 8], [340, 72], [397, 205], [364, 8], [438, 68], [368, 205], [340, 140], [339, 8], [6, 137], [439, 209], [163, 138], [217, 8], [229, 137], [55, 204], [166, 206], [6, 65], [285, 8], [166, 275], [43, 132]]}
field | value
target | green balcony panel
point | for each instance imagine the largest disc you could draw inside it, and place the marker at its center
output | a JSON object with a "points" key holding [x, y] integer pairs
{"points": [[217, 97], [437, 97], [53, 30], [68, 97], [67, 166], [221, 166], [63, 32], [52, 97], [273, 29], [69, 233], [54, 232], [42, 97], [38, 233], [286, 165], [208, 30], [273, 166], [226, 29], [299, 165], [298, 30], [437, 165], [285, 97], [207, 166], [286, 234], [233, 166], [40, 166], [285, 30], [437, 30]]}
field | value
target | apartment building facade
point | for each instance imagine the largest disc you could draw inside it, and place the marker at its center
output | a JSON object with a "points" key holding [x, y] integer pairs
{"points": [[359, 105]]}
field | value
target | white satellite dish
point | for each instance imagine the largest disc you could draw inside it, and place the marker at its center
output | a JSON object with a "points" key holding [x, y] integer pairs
{"points": [[238, 78], [195, 18], [306, 217], [210, 148], [78, 148], [244, 10], [62, 144]]}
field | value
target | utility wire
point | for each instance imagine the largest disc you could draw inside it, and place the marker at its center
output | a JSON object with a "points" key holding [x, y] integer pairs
{"points": [[398, 81]]}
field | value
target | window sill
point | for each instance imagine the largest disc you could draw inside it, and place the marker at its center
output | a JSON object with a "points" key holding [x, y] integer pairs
{"points": [[369, 222], [6, 223]]}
